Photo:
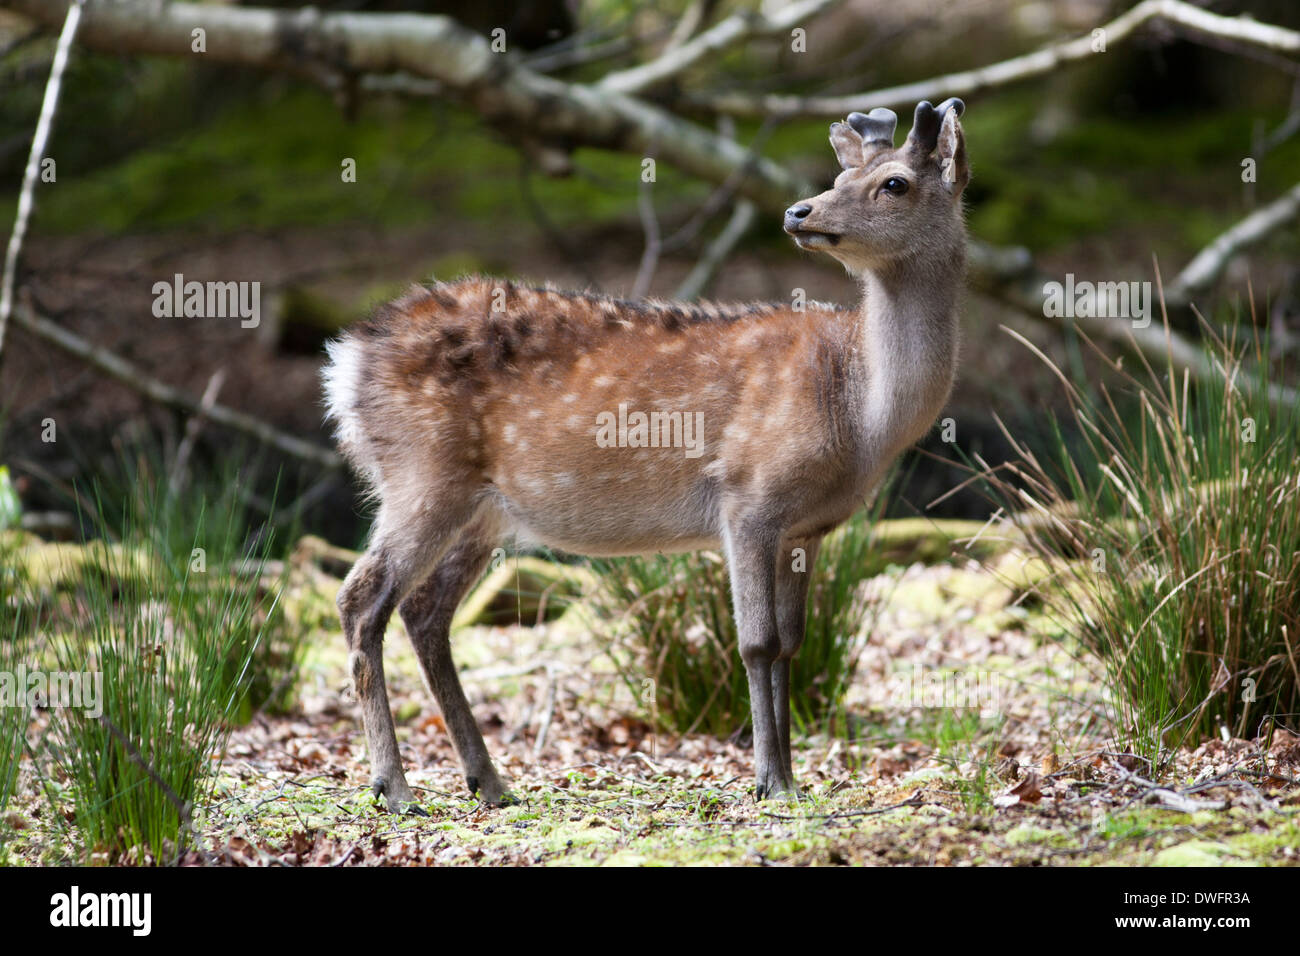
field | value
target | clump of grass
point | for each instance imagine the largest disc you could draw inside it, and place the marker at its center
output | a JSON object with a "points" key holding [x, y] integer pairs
{"points": [[1174, 531], [211, 520], [13, 714], [174, 642], [667, 624], [171, 609]]}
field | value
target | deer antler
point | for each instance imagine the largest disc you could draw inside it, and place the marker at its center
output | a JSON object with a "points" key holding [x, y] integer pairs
{"points": [[927, 120], [875, 127]]}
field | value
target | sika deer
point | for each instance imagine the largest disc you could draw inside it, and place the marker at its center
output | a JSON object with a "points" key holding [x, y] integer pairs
{"points": [[476, 410]]}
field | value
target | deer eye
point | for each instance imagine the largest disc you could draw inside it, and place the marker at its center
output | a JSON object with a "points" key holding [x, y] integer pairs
{"points": [[895, 185]]}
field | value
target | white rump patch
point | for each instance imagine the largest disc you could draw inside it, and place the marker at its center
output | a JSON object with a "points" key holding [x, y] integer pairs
{"points": [[341, 377]]}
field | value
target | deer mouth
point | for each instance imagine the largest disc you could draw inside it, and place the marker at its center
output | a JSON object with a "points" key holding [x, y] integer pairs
{"points": [[811, 239]]}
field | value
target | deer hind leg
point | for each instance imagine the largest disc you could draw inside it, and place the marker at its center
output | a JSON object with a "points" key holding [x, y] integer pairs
{"points": [[751, 556], [401, 551], [793, 576], [427, 614]]}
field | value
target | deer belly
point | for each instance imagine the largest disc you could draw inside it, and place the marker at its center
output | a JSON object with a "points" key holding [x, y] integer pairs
{"points": [[578, 497]]}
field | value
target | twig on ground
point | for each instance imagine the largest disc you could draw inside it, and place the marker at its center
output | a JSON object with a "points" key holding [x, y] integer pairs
{"points": [[548, 711], [915, 800]]}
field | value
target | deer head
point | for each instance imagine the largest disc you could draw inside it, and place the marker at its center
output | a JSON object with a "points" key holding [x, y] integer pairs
{"points": [[888, 204]]}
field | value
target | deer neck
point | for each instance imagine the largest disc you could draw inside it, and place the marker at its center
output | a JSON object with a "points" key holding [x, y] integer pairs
{"points": [[907, 351]]}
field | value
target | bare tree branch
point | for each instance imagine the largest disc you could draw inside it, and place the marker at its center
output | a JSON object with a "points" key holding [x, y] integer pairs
{"points": [[716, 253], [645, 272], [330, 48], [696, 14], [180, 467], [580, 55], [126, 373], [1012, 278], [1209, 263], [49, 106], [731, 31], [1198, 24]]}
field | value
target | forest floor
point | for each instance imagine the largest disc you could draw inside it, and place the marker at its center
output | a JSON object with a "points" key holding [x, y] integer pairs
{"points": [[1023, 776]]}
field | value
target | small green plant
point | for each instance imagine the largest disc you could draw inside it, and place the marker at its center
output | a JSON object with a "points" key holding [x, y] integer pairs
{"points": [[667, 623], [1174, 531]]}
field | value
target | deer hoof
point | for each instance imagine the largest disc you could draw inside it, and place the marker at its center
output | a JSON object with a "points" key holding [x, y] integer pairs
{"points": [[494, 794], [397, 797], [776, 790]]}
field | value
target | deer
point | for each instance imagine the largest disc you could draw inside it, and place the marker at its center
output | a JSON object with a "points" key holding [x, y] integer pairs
{"points": [[474, 412]]}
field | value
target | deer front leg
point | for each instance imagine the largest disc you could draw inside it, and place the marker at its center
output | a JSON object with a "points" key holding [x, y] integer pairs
{"points": [[365, 604], [751, 556], [794, 568]]}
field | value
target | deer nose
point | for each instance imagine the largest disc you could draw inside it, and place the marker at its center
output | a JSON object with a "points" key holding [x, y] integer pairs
{"points": [[795, 215]]}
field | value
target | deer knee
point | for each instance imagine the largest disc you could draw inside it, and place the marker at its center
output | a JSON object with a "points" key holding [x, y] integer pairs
{"points": [[760, 649], [365, 602], [789, 648]]}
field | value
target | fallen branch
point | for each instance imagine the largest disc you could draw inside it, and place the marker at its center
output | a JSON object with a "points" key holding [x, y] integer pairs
{"points": [[1198, 24], [126, 373], [1023, 289], [49, 106]]}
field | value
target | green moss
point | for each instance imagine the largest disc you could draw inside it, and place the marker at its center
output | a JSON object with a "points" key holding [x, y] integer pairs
{"points": [[277, 160]]}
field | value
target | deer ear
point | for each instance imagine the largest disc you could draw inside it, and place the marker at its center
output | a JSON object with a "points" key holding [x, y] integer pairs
{"points": [[847, 145], [950, 150]]}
